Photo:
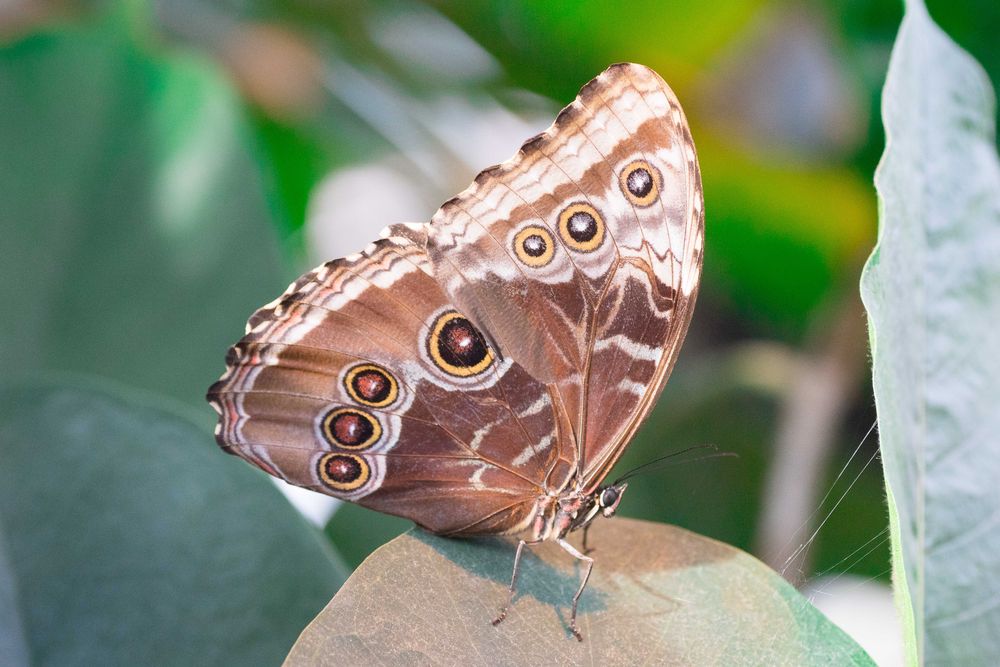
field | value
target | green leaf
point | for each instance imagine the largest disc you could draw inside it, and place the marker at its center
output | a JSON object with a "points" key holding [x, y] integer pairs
{"points": [[132, 540], [932, 290], [136, 238], [658, 595]]}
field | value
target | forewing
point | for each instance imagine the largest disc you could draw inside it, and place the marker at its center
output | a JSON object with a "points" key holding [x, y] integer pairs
{"points": [[581, 256]]}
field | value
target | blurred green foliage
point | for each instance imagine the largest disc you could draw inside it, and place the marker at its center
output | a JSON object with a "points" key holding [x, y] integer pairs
{"points": [[136, 231]]}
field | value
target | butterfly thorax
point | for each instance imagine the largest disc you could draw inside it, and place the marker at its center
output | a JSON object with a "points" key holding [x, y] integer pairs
{"points": [[554, 515], [557, 515]]}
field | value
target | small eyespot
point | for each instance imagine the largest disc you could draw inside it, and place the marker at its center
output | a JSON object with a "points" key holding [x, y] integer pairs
{"points": [[533, 245], [372, 385], [343, 472], [351, 428], [457, 347], [581, 227], [640, 182]]}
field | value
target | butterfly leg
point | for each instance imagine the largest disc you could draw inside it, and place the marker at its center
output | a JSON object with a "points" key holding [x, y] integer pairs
{"points": [[513, 578], [586, 549], [571, 550]]}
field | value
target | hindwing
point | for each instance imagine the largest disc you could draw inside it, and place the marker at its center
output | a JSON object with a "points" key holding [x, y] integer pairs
{"points": [[364, 382]]}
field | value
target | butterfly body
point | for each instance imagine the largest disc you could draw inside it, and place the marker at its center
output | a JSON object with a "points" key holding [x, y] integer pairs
{"points": [[482, 373]]}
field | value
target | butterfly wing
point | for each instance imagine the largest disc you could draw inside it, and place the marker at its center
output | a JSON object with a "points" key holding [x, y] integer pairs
{"points": [[455, 372], [362, 381], [581, 257]]}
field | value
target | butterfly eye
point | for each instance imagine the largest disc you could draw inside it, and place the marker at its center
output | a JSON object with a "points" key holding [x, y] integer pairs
{"points": [[343, 472], [351, 429], [609, 496], [457, 347], [371, 385], [533, 245], [640, 182], [581, 227]]}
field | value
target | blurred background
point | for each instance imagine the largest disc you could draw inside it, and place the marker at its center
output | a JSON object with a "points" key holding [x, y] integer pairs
{"points": [[166, 167]]}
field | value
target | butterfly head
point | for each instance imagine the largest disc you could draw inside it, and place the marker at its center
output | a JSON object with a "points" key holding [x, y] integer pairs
{"points": [[577, 511], [609, 497]]}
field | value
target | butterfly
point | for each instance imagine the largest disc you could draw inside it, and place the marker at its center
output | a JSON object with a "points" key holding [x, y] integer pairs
{"points": [[481, 374]]}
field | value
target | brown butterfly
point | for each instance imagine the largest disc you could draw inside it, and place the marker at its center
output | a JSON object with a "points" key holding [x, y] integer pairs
{"points": [[482, 373]]}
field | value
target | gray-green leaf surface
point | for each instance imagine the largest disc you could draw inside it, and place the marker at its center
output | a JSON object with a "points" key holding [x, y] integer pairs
{"points": [[128, 538], [932, 290], [659, 595]]}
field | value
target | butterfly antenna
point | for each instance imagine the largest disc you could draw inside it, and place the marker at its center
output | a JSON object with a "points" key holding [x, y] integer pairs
{"points": [[664, 461]]}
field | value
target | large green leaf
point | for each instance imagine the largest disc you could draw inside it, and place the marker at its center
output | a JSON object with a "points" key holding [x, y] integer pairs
{"points": [[136, 238], [658, 595], [932, 290], [131, 540]]}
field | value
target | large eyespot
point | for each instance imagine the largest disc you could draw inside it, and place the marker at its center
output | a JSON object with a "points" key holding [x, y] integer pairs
{"points": [[581, 227], [372, 385], [343, 472], [351, 428], [457, 347], [640, 182], [533, 245]]}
